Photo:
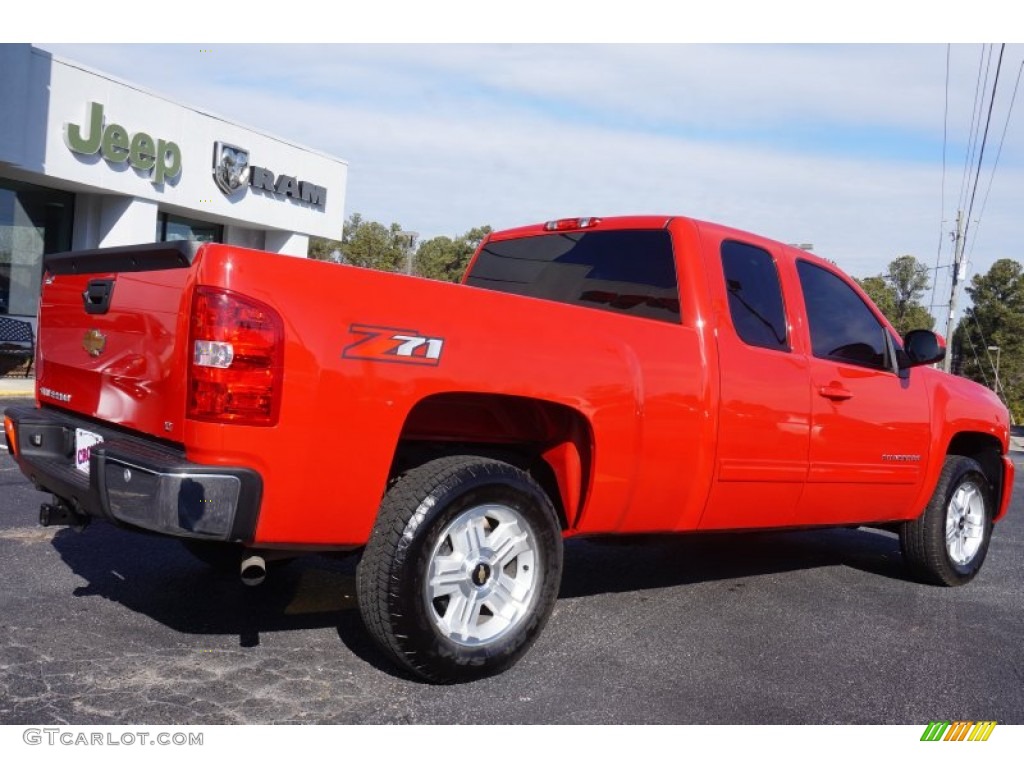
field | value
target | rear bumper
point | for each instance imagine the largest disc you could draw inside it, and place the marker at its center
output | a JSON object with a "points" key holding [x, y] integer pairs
{"points": [[136, 481]]}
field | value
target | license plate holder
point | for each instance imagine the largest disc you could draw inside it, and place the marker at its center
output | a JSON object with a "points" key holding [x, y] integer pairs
{"points": [[84, 443]]}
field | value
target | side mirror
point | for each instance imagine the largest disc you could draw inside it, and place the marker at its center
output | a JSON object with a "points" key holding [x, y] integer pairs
{"points": [[923, 347]]}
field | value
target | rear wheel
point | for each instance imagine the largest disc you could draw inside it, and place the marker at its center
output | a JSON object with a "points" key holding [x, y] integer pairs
{"points": [[462, 568], [947, 544]]}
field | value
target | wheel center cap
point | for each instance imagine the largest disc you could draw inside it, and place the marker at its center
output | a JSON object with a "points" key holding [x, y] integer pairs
{"points": [[481, 574]]}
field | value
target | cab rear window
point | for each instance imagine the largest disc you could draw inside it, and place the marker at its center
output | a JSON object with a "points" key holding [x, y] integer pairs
{"points": [[631, 272]]}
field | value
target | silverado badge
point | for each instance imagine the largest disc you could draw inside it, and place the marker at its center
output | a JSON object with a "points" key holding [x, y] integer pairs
{"points": [[93, 342]]}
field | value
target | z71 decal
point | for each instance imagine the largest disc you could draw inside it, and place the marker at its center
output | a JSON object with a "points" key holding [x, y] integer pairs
{"points": [[393, 345]]}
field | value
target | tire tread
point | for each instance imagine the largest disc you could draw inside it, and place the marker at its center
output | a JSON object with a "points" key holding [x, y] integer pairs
{"points": [[922, 540], [378, 587]]}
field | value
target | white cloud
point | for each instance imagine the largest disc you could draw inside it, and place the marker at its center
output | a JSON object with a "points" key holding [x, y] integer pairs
{"points": [[444, 138]]}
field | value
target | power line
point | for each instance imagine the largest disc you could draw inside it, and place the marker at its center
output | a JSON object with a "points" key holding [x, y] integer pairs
{"points": [[988, 354], [959, 269], [972, 139], [984, 140], [942, 196], [999, 152], [977, 360]]}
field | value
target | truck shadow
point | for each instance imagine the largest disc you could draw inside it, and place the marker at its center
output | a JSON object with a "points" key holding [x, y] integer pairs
{"points": [[158, 578], [617, 564]]}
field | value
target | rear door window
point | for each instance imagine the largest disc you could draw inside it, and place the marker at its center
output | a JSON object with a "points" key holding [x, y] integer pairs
{"points": [[755, 296], [631, 272]]}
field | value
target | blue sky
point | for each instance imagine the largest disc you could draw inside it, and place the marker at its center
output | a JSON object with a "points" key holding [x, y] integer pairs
{"points": [[836, 145]]}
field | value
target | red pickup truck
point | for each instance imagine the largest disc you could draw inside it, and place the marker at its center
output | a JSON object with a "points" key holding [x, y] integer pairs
{"points": [[589, 376]]}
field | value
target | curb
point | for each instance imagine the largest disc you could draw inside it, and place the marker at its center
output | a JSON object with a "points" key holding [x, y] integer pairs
{"points": [[17, 387]]}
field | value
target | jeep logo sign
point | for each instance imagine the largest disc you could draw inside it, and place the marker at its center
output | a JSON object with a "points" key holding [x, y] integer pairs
{"points": [[160, 158], [232, 172]]}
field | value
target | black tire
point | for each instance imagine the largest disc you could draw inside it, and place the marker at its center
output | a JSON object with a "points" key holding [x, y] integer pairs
{"points": [[947, 544], [451, 513]]}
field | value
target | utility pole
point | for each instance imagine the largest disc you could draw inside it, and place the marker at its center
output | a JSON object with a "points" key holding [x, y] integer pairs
{"points": [[408, 240], [959, 273]]}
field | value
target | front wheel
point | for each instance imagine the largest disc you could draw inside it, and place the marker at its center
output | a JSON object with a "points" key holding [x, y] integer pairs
{"points": [[947, 544], [462, 568]]}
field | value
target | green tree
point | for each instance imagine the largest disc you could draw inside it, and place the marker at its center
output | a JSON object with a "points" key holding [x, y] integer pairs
{"points": [[995, 319], [898, 293], [439, 258], [908, 279], [324, 249], [371, 244], [880, 293], [445, 258]]}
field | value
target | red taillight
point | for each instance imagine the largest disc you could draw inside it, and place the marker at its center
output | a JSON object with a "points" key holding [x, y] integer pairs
{"points": [[560, 225], [236, 353], [11, 435]]}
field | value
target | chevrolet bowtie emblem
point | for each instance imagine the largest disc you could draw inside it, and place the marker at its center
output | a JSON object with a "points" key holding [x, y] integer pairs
{"points": [[93, 342], [481, 574]]}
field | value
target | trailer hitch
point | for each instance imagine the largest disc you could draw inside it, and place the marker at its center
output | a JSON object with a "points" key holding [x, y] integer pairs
{"points": [[60, 513]]}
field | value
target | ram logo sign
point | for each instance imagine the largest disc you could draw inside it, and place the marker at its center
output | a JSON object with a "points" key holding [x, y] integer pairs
{"points": [[288, 186], [393, 345], [233, 173], [230, 167]]}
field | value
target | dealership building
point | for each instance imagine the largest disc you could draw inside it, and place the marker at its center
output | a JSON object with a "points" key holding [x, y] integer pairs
{"points": [[89, 161]]}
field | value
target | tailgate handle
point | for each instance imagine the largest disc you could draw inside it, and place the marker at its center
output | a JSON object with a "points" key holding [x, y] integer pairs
{"points": [[97, 296]]}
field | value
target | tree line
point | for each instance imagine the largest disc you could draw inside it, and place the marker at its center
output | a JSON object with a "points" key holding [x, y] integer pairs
{"points": [[392, 249], [988, 341]]}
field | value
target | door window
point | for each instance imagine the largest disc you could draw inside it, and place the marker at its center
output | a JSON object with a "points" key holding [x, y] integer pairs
{"points": [[842, 326], [755, 297]]}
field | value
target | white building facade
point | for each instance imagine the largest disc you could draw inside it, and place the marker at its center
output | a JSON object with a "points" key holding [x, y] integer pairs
{"points": [[89, 161]]}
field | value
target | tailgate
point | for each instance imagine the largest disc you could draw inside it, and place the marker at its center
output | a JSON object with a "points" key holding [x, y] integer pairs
{"points": [[113, 327]]}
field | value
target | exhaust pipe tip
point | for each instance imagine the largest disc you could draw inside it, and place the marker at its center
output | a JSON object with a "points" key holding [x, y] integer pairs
{"points": [[253, 571]]}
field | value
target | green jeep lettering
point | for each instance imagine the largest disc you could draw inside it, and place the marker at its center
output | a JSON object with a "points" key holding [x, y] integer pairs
{"points": [[168, 161], [116, 145], [143, 152], [73, 133]]}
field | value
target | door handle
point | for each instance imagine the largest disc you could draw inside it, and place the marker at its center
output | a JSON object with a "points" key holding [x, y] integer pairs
{"points": [[835, 392]]}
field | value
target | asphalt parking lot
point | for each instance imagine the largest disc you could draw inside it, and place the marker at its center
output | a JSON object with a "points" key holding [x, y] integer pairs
{"points": [[105, 626]]}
